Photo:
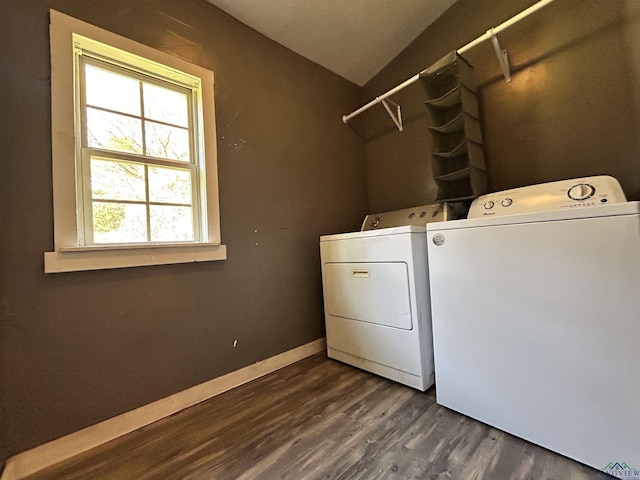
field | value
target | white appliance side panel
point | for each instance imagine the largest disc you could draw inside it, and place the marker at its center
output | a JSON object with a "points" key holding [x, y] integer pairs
{"points": [[369, 292], [422, 295], [536, 331]]}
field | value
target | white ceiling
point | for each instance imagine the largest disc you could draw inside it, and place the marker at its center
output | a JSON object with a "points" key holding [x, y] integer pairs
{"points": [[353, 38]]}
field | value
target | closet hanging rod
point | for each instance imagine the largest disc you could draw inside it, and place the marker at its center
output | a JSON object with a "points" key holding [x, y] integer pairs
{"points": [[486, 36]]}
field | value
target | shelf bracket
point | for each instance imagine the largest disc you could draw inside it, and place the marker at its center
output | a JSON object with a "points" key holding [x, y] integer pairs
{"points": [[503, 58], [397, 116]]}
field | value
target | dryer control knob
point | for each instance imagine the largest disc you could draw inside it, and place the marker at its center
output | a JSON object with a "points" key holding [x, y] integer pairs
{"points": [[581, 191], [488, 205]]}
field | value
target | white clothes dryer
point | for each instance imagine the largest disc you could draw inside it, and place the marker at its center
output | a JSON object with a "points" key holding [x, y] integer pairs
{"points": [[376, 295], [536, 318]]}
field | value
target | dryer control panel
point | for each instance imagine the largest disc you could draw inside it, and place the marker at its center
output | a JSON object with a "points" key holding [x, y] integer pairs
{"points": [[574, 193], [417, 216]]}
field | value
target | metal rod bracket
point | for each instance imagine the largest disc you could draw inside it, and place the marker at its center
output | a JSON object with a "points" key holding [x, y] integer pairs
{"points": [[503, 58], [397, 116]]}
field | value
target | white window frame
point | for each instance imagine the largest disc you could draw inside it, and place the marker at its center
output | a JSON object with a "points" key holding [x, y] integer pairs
{"points": [[69, 252]]}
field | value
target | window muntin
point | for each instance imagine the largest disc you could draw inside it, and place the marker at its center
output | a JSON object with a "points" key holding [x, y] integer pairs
{"points": [[139, 179]]}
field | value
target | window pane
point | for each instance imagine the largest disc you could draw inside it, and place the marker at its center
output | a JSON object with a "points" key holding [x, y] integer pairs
{"points": [[167, 142], [116, 180], [169, 185], [113, 91], [113, 132], [169, 106], [171, 223], [119, 223]]}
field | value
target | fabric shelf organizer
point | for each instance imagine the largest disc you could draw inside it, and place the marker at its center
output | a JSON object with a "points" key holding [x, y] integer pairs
{"points": [[457, 149]]}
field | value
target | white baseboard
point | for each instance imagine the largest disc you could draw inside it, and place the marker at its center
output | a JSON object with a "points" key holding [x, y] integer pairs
{"points": [[43, 456]]}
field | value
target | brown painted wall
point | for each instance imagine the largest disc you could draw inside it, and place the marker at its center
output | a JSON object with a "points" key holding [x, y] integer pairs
{"points": [[78, 348], [572, 108]]}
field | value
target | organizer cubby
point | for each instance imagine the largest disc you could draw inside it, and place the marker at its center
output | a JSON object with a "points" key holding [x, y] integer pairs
{"points": [[457, 149]]}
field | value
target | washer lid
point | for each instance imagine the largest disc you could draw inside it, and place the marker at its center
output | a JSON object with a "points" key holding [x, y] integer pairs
{"points": [[565, 194], [607, 210], [417, 216]]}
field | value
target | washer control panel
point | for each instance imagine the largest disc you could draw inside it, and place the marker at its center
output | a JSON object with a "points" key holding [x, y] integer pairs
{"points": [[574, 193], [417, 216]]}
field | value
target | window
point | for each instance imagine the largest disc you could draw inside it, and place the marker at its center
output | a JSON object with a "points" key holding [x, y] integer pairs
{"points": [[138, 170], [133, 151]]}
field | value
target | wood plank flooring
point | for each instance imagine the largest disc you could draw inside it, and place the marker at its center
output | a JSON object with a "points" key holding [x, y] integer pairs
{"points": [[319, 419]]}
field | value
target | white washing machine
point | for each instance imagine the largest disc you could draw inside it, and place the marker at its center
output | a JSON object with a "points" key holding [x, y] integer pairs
{"points": [[376, 295], [536, 318]]}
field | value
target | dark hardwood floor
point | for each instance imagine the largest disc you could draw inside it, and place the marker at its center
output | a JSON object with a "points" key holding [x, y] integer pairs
{"points": [[319, 419]]}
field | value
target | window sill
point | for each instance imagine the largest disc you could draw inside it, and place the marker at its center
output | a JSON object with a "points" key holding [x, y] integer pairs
{"points": [[76, 259]]}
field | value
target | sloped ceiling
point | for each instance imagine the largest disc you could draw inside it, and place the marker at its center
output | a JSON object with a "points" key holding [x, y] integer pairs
{"points": [[353, 38]]}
